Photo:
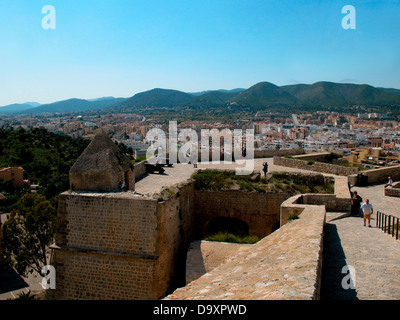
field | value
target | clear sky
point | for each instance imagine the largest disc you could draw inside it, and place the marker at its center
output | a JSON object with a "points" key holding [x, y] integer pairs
{"points": [[122, 47]]}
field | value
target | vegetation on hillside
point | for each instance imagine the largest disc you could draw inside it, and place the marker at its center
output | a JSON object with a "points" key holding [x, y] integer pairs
{"points": [[45, 157], [27, 233]]}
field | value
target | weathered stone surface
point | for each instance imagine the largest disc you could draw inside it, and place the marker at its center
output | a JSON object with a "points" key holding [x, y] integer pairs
{"points": [[393, 191], [101, 167], [204, 256], [377, 175], [316, 166], [284, 265]]}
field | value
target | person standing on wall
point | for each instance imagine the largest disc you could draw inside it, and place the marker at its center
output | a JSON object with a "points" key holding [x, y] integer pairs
{"points": [[265, 168]]}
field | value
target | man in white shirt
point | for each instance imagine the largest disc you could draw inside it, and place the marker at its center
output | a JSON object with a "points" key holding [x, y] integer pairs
{"points": [[367, 210]]}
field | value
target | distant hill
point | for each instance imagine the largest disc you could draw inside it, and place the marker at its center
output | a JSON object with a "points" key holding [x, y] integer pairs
{"points": [[100, 99], [340, 94], [33, 104], [16, 108], [390, 90], [237, 90], [307, 97], [158, 98], [72, 105], [212, 99], [264, 94]]}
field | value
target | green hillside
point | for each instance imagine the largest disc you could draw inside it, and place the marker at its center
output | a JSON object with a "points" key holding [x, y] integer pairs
{"points": [[72, 105], [46, 157], [212, 99], [323, 94], [264, 94], [158, 98]]}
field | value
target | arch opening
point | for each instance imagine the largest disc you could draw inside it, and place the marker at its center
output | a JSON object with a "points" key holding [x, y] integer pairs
{"points": [[229, 225]]}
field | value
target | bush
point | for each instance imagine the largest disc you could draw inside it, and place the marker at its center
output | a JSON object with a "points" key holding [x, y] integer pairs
{"points": [[293, 217], [232, 238], [213, 179]]}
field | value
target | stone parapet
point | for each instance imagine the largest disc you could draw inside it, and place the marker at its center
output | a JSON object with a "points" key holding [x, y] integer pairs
{"points": [[140, 170], [338, 202], [284, 265], [315, 166], [375, 176], [393, 191]]}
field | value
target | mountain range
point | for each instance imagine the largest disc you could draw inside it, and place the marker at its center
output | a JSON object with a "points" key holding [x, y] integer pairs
{"points": [[261, 95]]}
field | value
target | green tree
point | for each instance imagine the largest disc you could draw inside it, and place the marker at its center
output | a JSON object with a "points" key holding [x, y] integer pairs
{"points": [[27, 233]]}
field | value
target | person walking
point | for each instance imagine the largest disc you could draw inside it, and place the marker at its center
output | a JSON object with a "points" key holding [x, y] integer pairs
{"points": [[355, 204], [367, 210]]}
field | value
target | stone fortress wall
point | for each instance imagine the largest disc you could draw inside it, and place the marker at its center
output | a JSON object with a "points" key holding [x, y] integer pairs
{"points": [[122, 245], [285, 265], [298, 162], [375, 176], [99, 234], [259, 210], [106, 247]]}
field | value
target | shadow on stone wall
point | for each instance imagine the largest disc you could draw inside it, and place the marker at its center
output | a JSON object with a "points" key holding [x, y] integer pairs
{"points": [[334, 260]]}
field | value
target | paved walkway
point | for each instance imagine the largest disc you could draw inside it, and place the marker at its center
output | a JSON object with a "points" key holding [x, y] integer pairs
{"points": [[373, 255], [380, 202], [178, 173]]}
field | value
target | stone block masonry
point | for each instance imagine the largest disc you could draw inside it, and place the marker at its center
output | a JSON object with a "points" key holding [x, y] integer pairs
{"points": [[315, 166], [376, 175], [102, 276], [121, 245], [107, 247], [147, 238], [285, 265], [259, 210], [393, 191], [107, 223]]}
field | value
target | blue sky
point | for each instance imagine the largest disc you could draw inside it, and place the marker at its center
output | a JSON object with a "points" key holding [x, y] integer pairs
{"points": [[122, 47]]}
